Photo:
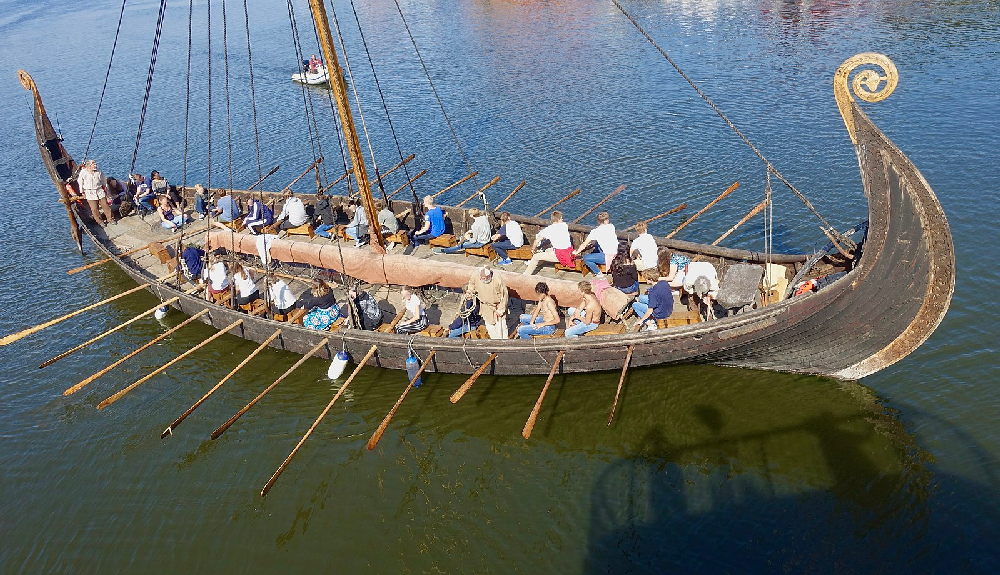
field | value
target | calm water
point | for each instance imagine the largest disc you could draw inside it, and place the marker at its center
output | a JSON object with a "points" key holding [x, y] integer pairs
{"points": [[704, 469]]}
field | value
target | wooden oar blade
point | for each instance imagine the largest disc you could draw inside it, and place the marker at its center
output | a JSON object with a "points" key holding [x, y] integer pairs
{"points": [[385, 422], [530, 424], [461, 391]]}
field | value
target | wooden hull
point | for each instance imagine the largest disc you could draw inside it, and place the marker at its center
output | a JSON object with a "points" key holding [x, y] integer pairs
{"points": [[867, 320]]}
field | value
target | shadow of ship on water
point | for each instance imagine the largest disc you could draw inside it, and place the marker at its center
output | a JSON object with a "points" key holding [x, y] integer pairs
{"points": [[739, 503]]}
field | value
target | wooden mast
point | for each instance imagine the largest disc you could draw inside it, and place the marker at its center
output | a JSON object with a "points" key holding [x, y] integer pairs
{"points": [[336, 76]]}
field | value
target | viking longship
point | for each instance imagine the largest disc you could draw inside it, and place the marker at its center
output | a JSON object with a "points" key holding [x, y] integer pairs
{"points": [[897, 280]]}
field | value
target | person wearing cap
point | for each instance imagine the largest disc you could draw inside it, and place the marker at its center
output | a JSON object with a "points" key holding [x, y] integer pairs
{"points": [[493, 299], [93, 183]]}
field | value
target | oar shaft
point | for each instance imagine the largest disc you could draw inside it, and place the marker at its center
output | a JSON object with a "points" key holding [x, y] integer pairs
{"points": [[385, 422], [266, 176], [617, 191], [478, 192], [318, 161], [26, 332], [222, 428], [621, 381], [164, 367], [456, 184], [472, 379], [394, 168], [510, 195], [408, 182], [568, 196], [530, 424], [663, 215], [109, 332], [756, 210], [284, 464], [132, 251], [191, 409], [151, 342], [728, 191]]}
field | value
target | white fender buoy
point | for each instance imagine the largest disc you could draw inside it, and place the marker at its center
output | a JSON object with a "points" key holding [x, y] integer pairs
{"points": [[160, 313], [338, 365]]}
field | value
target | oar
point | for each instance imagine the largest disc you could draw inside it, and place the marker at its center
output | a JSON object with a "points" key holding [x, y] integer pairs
{"points": [[621, 381], [109, 332], [510, 195], [478, 192], [756, 210], [456, 184], [472, 379], [530, 424], [120, 394], [570, 195], [340, 179], [617, 191], [284, 464], [26, 332], [153, 341], [222, 428], [394, 168], [385, 422], [728, 191], [318, 161], [130, 252], [170, 428], [663, 215], [408, 182], [266, 176]]}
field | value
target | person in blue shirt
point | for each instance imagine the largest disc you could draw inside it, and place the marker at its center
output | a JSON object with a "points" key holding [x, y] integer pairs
{"points": [[226, 209], [658, 302], [433, 223]]}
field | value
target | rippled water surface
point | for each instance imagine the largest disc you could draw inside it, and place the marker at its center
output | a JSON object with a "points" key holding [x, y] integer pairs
{"points": [[703, 470]]}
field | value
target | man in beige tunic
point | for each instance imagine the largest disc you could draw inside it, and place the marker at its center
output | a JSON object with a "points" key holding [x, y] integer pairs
{"points": [[492, 293]]}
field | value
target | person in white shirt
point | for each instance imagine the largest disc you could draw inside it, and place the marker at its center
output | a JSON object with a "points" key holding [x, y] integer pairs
{"points": [[414, 319], [93, 183], [246, 287], [509, 237], [644, 252], [560, 251], [477, 236], [701, 280], [293, 212], [282, 298], [218, 279], [606, 238]]}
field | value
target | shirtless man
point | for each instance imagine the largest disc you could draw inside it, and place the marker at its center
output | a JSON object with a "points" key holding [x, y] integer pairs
{"points": [[544, 319], [588, 317]]}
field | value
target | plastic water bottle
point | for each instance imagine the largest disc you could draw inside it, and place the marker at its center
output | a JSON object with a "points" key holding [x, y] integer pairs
{"points": [[338, 365], [412, 367]]}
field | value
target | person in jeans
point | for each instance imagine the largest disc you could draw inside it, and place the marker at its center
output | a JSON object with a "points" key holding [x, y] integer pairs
{"points": [[433, 223], [588, 316], [200, 201], [508, 237], [606, 239], [545, 317], [477, 236], [658, 301]]}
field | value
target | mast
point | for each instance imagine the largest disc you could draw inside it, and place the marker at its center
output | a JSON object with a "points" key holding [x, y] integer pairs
{"points": [[347, 122]]}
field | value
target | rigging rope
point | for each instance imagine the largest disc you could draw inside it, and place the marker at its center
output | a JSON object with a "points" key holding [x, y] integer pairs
{"points": [[149, 82], [729, 122], [381, 96], [253, 93], [225, 60], [106, 76], [187, 116], [357, 100], [427, 73]]}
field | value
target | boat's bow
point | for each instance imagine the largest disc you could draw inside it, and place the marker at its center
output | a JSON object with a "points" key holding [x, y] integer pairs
{"points": [[57, 160], [908, 262]]}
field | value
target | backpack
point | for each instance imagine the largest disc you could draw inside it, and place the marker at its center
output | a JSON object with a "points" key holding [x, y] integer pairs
{"points": [[267, 214]]}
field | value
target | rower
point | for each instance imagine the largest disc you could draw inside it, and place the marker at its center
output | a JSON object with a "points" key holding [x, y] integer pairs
{"points": [[588, 316], [605, 240], [561, 249], [543, 320]]}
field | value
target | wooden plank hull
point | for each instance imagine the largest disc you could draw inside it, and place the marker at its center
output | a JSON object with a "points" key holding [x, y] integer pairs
{"points": [[869, 319]]}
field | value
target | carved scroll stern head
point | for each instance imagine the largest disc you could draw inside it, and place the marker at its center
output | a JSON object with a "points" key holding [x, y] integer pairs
{"points": [[26, 81], [869, 84]]}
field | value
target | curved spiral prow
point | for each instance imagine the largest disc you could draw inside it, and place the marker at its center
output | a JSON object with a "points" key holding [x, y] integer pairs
{"points": [[869, 85], [26, 81]]}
